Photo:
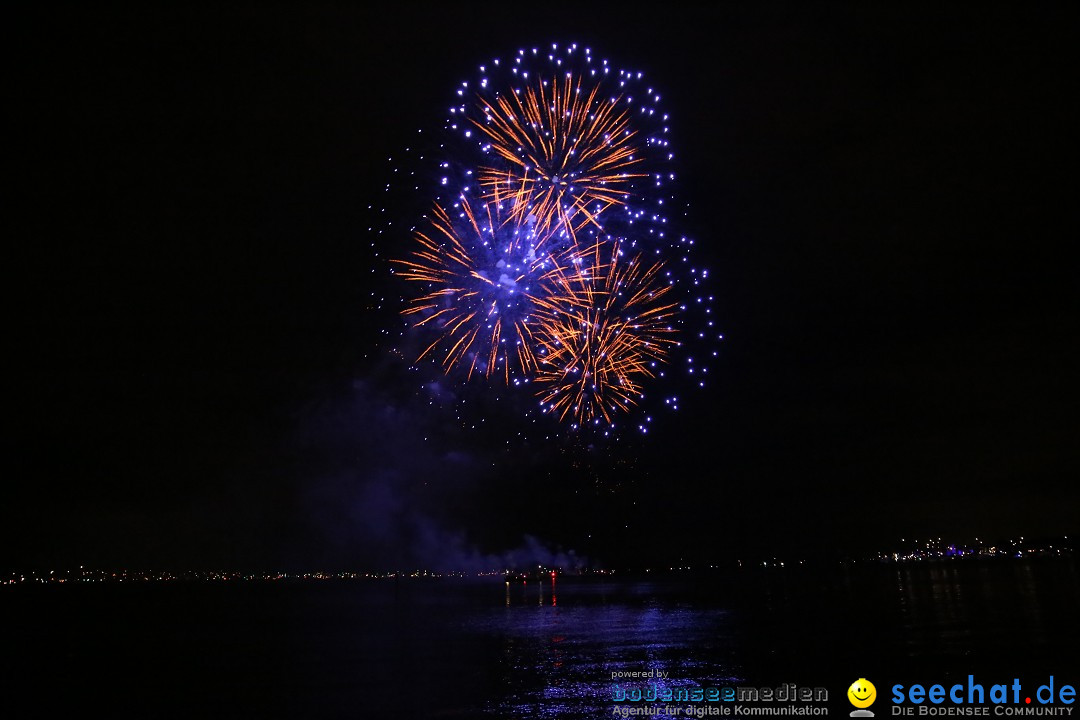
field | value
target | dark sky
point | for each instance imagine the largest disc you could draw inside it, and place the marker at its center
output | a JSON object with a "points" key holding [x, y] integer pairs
{"points": [[197, 375]]}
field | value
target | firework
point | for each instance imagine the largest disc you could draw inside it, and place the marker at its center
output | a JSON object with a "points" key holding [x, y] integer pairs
{"points": [[547, 259], [568, 154], [479, 274], [568, 139], [603, 325]]}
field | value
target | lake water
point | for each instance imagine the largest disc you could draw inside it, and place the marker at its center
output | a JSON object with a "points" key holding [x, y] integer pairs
{"points": [[437, 648]]}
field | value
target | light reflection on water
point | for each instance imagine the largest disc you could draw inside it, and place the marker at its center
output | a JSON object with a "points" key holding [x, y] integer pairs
{"points": [[558, 662], [559, 644]]}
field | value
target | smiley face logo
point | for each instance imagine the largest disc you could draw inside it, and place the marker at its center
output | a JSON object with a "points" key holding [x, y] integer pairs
{"points": [[862, 693]]}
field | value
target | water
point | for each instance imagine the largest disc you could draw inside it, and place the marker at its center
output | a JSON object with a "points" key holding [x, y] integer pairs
{"points": [[484, 649]]}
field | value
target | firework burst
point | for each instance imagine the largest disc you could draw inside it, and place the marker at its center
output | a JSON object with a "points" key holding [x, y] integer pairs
{"points": [[603, 326], [566, 138], [547, 260], [568, 153], [479, 274]]}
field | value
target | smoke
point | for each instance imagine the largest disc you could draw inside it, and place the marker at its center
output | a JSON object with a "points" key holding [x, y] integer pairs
{"points": [[389, 484]]}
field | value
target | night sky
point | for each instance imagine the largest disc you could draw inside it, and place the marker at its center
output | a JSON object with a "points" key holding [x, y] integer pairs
{"points": [[200, 378]]}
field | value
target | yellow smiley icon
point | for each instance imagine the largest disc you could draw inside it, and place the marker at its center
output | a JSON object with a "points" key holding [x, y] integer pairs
{"points": [[862, 693]]}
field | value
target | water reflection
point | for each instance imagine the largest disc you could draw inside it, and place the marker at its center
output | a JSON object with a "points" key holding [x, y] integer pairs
{"points": [[949, 608], [559, 661]]}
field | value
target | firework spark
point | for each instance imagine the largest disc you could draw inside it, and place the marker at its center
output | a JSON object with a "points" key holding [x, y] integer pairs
{"points": [[569, 153], [479, 274], [548, 260], [602, 327]]}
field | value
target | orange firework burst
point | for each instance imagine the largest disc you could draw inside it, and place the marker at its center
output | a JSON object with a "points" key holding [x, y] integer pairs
{"points": [[605, 325], [480, 273], [570, 154]]}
